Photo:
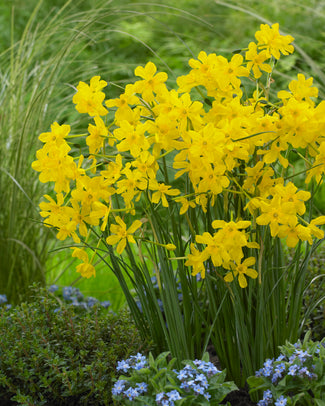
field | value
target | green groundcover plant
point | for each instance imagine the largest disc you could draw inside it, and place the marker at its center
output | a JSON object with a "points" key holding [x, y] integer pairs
{"points": [[197, 186], [57, 353], [295, 377], [156, 382]]}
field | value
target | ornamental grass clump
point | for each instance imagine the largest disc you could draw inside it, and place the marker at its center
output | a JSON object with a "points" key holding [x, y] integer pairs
{"points": [[197, 180]]}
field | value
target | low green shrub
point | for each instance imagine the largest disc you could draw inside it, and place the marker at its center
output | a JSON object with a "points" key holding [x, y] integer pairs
{"points": [[52, 353]]}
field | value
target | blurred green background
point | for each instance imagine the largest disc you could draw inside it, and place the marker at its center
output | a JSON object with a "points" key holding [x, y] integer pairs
{"points": [[47, 47]]}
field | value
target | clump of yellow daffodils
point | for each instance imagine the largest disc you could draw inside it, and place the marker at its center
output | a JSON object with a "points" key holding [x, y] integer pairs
{"points": [[217, 142]]}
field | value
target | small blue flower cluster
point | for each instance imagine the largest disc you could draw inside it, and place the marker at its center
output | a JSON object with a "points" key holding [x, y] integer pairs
{"points": [[129, 393], [3, 301], [167, 398], [296, 365], [195, 379], [73, 295], [135, 362], [69, 294], [191, 380], [268, 398]]}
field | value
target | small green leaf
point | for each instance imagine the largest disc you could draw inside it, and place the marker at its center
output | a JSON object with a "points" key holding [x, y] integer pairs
{"points": [[206, 357], [255, 381], [319, 402]]}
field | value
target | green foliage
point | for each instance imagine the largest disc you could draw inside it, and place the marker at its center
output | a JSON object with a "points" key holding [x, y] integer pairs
{"points": [[56, 354], [305, 21], [313, 312]]}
